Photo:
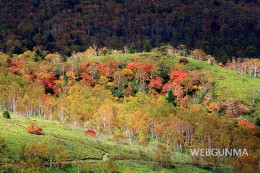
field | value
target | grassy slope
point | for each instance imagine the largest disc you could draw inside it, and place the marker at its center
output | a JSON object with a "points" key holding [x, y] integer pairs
{"points": [[71, 138], [79, 146], [228, 83]]}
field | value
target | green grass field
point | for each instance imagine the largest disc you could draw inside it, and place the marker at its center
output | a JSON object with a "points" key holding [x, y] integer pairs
{"points": [[228, 83], [72, 139]]}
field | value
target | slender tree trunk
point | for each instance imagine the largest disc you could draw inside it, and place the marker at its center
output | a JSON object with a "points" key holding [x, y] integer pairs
{"points": [[50, 162]]}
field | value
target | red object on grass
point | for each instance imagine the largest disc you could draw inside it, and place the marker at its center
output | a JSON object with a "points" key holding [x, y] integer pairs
{"points": [[91, 133]]}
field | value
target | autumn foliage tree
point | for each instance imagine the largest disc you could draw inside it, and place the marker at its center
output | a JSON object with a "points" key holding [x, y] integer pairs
{"points": [[49, 84], [33, 129], [246, 124], [40, 154], [156, 83], [213, 106], [163, 156], [178, 75], [144, 98]]}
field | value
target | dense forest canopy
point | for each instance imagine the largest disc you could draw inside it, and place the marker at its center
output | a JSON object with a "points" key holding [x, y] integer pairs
{"points": [[223, 28]]}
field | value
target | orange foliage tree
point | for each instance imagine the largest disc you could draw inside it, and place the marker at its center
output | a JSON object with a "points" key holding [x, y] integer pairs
{"points": [[33, 129], [246, 124], [177, 76], [156, 83], [212, 107]]}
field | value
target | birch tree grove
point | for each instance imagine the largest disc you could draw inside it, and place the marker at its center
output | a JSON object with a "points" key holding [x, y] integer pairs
{"points": [[145, 99]]}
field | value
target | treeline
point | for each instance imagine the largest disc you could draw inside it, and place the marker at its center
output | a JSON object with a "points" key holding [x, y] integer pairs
{"points": [[220, 28]]}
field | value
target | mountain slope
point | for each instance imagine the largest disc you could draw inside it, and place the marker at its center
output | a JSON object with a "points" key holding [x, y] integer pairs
{"points": [[147, 108], [221, 28], [227, 83], [81, 149]]}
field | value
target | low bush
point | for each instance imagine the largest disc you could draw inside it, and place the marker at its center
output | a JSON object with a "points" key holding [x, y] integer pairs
{"points": [[33, 129], [183, 61], [6, 114]]}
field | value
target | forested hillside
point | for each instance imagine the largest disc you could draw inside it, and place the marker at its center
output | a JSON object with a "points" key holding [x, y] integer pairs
{"points": [[223, 28], [66, 148], [162, 100]]}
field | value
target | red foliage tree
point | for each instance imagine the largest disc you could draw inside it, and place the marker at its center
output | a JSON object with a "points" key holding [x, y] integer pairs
{"points": [[156, 83], [140, 66], [87, 79], [91, 133], [49, 85], [14, 67], [48, 82], [133, 65], [148, 67], [178, 75], [89, 71], [246, 124], [103, 69], [142, 70], [166, 88], [20, 63], [112, 67]]}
